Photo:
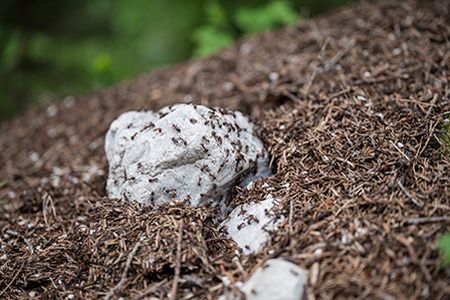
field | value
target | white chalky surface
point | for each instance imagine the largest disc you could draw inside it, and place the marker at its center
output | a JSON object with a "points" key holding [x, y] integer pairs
{"points": [[249, 225], [275, 279], [188, 152]]}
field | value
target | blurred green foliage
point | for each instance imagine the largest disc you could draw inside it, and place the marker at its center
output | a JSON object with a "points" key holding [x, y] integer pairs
{"points": [[51, 48], [271, 15], [220, 28]]}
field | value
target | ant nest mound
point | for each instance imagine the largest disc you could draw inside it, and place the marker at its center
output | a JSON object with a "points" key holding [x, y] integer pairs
{"points": [[185, 152]]}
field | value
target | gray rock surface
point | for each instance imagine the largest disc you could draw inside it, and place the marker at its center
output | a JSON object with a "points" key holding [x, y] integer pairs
{"points": [[185, 152], [275, 279]]}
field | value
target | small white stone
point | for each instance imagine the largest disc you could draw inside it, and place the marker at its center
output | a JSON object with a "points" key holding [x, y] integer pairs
{"points": [[249, 224], [361, 231], [51, 111], [33, 156], [276, 279], [273, 76], [344, 239], [226, 281], [228, 86], [360, 22], [55, 181], [52, 133], [92, 172], [361, 97], [246, 48], [425, 291], [69, 101], [59, 171]]}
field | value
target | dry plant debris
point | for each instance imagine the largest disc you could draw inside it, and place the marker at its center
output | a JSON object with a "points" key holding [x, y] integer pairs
{"points": [[350, 105]]}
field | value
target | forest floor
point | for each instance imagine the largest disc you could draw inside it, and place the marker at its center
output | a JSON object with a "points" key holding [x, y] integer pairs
{"points": [[351, 106]]}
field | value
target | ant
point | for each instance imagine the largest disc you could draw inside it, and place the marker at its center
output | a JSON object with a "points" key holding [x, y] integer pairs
{"points": [[176, 127]]}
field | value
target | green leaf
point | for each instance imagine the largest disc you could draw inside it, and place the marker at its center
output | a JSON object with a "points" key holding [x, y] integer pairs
{"points": [[445, 134], [2, 183], [443, 244]]}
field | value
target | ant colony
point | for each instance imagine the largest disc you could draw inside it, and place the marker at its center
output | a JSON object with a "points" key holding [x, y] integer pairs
{"points": [[185, 152]]}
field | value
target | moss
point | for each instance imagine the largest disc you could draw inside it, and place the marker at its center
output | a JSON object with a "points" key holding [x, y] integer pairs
{"points": [[443, 244]]}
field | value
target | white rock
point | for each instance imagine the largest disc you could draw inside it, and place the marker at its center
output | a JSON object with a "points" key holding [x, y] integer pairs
{"points": [[276, 279], [188, 152], [249, 225]]}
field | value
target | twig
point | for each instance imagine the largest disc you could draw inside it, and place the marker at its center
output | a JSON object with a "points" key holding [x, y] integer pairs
{"points": [[47, 203], [173, 291], [428, 220], [150, 290], [332, 62], [291, 217], [12, 280], [408, 194], [430, 135], [317, 69], [432, 104], [26, 241], [399, 150], [123, 279]]}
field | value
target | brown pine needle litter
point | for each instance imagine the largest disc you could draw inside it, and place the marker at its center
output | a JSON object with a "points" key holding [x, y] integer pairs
{"points": [[350, 106]]}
